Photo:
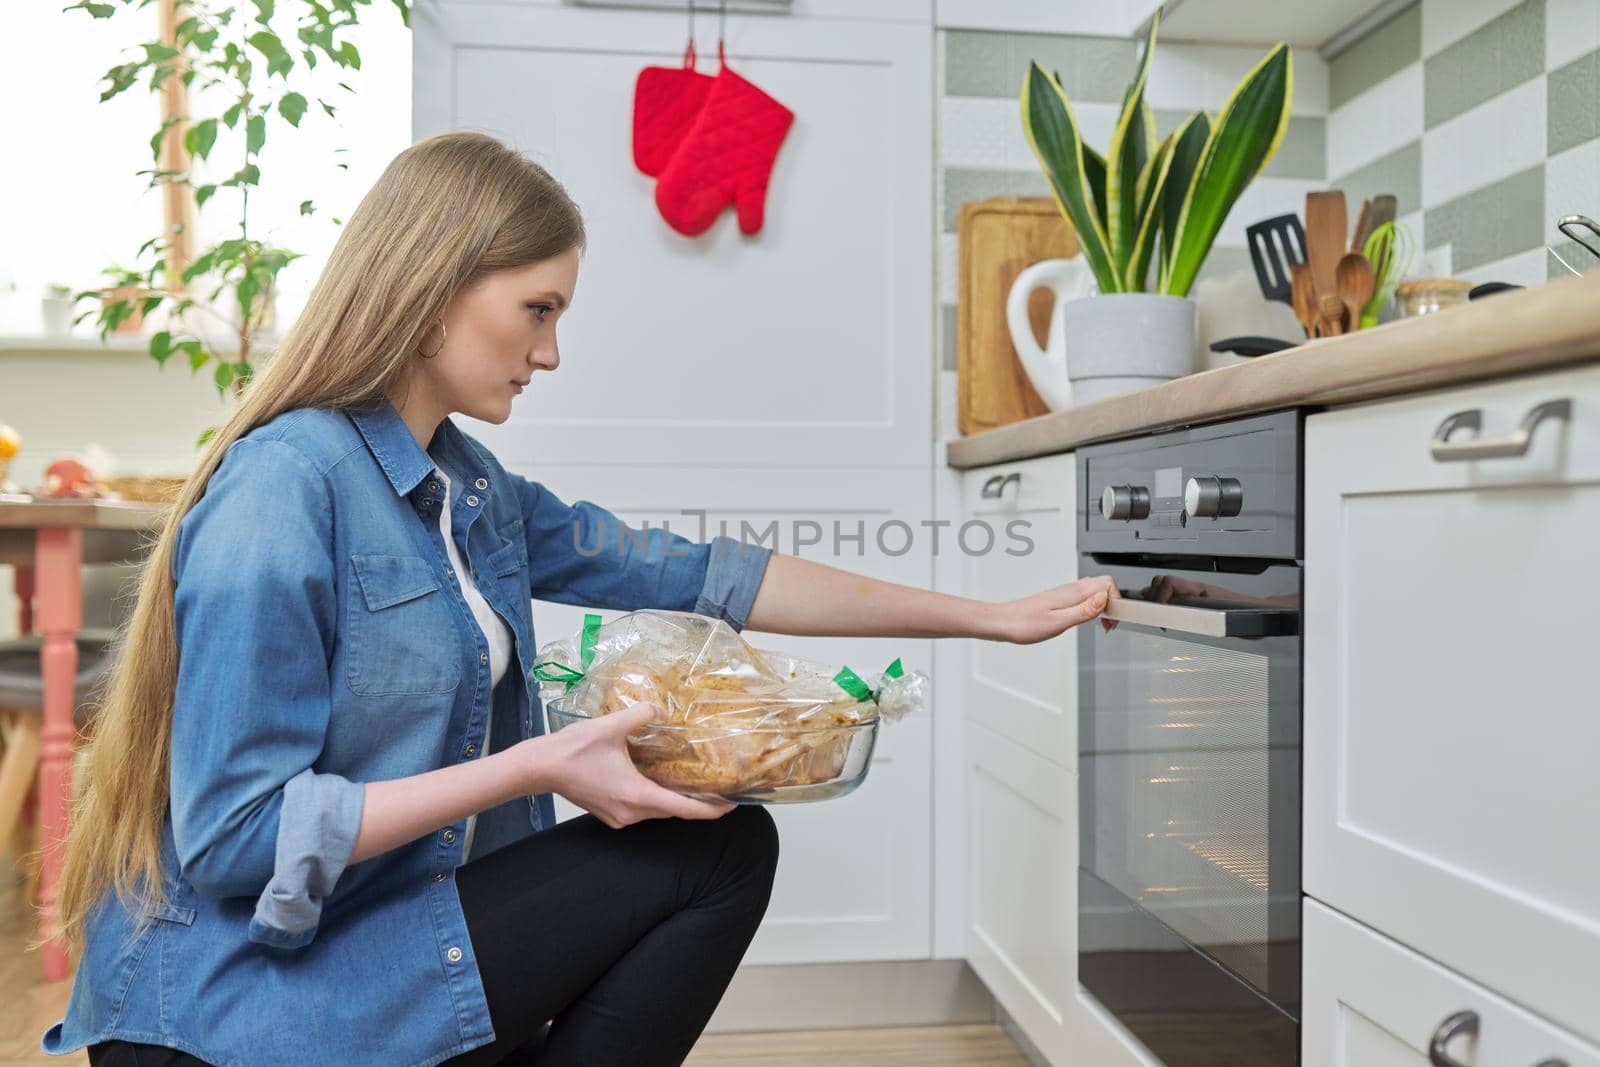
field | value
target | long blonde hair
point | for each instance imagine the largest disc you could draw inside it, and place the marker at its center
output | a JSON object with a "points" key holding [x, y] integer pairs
{"points": [[446, 212]]}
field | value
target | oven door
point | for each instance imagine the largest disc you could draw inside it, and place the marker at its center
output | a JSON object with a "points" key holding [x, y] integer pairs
{"points": [[1189, 779]]}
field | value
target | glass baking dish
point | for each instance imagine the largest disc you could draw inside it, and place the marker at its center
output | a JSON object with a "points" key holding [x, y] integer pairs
{"points": [[713, 760]]}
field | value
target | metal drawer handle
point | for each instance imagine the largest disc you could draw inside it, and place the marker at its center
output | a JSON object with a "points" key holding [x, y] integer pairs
{"points": [[1512, 445], [1461, 1024], [1208, 622], [994, 487]]}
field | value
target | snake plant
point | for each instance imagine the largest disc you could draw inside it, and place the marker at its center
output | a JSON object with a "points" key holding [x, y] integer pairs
{"points": [[1143, 194]]}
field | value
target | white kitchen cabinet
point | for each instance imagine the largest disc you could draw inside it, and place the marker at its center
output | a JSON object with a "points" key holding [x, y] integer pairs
{"points": [[853, 874], [1021, 785], [1027, 693], [1371, 1002], [1451, 718], [780, 377], [807, 344]]}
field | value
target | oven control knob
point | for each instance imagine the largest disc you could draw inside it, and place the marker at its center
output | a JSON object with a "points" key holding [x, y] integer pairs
{"points": [[1210, 498], [1125, 502]]}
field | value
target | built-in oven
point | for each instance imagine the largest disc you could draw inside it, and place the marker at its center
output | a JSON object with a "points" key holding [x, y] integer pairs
{"points": [[1189, 741]]}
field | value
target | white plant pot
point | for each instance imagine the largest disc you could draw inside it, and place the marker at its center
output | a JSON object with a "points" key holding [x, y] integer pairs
{"points": [[56, 311], [1120, 342]]}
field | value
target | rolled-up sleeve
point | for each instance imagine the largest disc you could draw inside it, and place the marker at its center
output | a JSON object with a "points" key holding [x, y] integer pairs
{"points": [[255, 617], [582, 554]]}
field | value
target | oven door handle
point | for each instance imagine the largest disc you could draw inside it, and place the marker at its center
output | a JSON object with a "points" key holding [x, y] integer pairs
{"points": [[1207, 622]]}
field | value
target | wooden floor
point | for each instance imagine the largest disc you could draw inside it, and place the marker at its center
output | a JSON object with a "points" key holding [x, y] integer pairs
{"points": [[42, 1003]]}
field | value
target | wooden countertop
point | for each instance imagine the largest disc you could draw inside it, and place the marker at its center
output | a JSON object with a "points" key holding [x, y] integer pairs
{"points": [[1551, 325]]}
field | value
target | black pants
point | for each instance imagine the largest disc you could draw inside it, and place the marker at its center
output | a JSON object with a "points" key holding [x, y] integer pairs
{"points": [[622, 940]]}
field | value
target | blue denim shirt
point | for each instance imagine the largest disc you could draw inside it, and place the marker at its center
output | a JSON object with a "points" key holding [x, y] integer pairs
{"points": [[324, 642]]}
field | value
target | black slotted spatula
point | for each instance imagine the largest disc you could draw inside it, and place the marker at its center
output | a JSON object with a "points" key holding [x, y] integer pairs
{"points": [[1276, 245]]}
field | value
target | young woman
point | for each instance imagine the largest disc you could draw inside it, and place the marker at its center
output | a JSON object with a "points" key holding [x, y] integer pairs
{"points": [[317, 822]]}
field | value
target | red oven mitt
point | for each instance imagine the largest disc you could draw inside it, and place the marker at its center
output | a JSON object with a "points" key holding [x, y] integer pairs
{"points": [[666, 101], [726, 158]]}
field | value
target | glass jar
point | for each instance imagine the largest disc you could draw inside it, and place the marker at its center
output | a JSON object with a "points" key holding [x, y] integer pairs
{"points": [[1423, 296]]}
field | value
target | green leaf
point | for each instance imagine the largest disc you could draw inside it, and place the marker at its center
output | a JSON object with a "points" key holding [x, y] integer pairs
{"points": [[202, 194], [266, 43], [306, 208], [326, 107], [1189, 144], [1151, 182], [99, 11], [246, 292], [223, 376], [119, 78], [405, 11], [1094, 169], [161, 347], [249, 174], [349, 56], [205, 435], [151, 303], [1129, 151], [255, 134], [310, 58], [1053, 134], [155, 142], [200, 137], [230, 117], [1247, 133], [263, 11], [200, 265], [292, 107], [198, 356], [281, 64], [158, 53]]}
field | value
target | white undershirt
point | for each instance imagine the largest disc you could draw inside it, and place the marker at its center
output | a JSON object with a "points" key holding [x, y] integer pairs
{"points": [[493, 627]]}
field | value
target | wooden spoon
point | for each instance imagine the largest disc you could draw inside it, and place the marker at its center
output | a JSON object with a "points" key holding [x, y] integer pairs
{"points": [[1331, 310], [1304, 298], [1356, 281]]}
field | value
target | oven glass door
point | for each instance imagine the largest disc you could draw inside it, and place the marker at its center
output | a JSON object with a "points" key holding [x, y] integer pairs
{"points": [[1189, 778]]}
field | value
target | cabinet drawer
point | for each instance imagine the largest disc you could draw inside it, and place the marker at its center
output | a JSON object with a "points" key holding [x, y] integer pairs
{"points": [[1370, 1002], [1026, 485], [1022, 864], [1451, 724], [1027, 693]]}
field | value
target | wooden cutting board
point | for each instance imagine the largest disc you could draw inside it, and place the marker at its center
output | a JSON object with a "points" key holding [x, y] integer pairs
{"points": [[998, 238]]}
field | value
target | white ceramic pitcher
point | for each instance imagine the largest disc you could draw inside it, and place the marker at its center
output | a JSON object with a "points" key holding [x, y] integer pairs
{"points": [[1069, 279]]}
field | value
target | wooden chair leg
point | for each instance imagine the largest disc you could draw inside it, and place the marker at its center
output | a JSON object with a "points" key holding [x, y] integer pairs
{"points": [[18, 769]]}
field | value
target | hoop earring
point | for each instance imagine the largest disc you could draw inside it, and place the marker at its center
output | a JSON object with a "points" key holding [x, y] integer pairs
{"points": [[442, 336]]}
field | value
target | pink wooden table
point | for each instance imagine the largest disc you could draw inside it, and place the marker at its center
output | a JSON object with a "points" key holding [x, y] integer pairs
{"points": [[48, 542]]}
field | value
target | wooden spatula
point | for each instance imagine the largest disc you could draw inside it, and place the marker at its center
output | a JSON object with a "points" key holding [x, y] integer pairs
{"points": [[1364, 225], [1304, 298], [1327, 226]]}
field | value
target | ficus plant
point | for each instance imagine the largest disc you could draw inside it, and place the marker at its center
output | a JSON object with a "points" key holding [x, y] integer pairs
{"points": [[1147, 200], [251, 62]]}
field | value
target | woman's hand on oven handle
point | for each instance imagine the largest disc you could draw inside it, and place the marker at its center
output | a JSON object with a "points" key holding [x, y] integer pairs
{"points": [[1052, 612]]}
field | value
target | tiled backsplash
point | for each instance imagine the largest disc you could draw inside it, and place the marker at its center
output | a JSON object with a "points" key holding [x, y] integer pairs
{"points": [[1483, 118], [983, 152]]}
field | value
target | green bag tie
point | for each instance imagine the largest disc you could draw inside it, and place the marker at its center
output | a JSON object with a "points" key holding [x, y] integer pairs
{"points": [[560, 672], [851, 682]]}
